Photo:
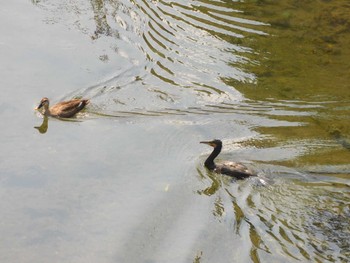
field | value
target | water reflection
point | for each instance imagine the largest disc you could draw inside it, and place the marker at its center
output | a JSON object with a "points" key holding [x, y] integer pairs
{"points": [[184, 59], [297, 219], [228, 197], [44, 125], [43, 128], [215, 183], [341, 139], [198, 257], [100, 17], [248, 70]]}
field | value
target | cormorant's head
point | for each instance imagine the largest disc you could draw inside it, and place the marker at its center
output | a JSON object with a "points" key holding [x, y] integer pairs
{"points": [[214, 143], [43, 102]]}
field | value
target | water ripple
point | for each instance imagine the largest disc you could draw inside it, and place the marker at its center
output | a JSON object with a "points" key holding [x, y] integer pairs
{"points": [[183, 50], [284, 216]]}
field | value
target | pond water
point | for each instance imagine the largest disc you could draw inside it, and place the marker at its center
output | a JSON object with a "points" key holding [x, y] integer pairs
{"points": [[124, 181]]}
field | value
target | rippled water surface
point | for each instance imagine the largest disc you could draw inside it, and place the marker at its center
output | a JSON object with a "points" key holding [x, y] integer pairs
{"points": [[124, 181]]}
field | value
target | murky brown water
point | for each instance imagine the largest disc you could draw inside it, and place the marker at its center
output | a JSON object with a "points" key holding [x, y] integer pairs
{"points": [[124, 181]]}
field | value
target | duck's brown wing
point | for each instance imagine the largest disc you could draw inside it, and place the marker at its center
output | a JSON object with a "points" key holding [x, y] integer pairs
{"points": [[67, 109], [236, 170]]}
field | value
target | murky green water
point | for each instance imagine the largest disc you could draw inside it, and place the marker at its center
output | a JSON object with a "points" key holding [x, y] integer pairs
{"points": [[124, 181]]}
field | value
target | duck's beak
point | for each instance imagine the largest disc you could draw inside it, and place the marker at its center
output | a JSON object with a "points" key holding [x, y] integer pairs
{"points": [[40, 105]]}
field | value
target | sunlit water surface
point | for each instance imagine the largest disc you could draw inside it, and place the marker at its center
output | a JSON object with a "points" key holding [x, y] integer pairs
{"points": [[124, 181]]}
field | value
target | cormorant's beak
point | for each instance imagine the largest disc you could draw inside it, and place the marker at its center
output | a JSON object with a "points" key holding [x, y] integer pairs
{"points": [[40, 105], [209, 143]]}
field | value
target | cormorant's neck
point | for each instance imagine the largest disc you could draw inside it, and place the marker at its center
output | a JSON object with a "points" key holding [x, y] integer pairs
{"points": [[209, 163]]}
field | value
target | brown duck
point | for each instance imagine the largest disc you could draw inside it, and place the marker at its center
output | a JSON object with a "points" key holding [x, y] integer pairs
{"points": [[236, 170], [64, 109]]}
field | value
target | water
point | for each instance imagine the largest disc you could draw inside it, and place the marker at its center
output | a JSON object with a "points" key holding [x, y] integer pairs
{"points": [[124, 181]]}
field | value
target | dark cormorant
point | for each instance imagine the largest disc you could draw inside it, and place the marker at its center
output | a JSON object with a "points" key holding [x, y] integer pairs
{"points": [[236, 170]]}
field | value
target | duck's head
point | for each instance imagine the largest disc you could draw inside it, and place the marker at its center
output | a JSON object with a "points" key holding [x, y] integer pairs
{"points": [[213, 143], [43, 103]]}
